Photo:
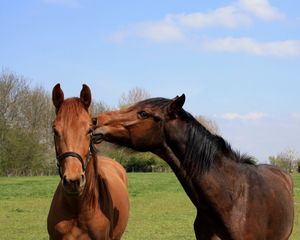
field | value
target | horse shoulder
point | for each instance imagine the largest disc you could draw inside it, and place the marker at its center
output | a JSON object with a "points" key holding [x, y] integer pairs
{"points": [[108, 166], [114, 177]]}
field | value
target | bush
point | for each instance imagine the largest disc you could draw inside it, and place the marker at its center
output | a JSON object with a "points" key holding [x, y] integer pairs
{"points": [[22, 154], [135, 161]]}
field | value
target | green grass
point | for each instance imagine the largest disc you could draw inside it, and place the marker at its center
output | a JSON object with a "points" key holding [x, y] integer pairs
{"points": [[159, 207], [24, 204]]}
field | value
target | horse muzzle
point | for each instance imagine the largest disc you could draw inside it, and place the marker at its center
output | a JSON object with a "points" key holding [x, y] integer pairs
{"points": [[98, 136], [74, 186]]}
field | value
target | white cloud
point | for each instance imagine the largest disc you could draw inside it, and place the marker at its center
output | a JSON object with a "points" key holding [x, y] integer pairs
{"points": [[229, 16], [175, 28], [162, 31], [286, 48], [260, 9], [253, 116], [172, 26]]}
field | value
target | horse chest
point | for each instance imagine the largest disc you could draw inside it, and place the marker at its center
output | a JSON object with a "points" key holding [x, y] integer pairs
{"points": [[84, 227]]}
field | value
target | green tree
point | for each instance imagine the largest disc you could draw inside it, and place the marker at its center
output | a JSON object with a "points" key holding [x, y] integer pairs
{"points": [[287, 160], [25, 124]]}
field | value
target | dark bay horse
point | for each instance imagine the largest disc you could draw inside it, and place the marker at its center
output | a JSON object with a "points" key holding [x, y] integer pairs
{"points": [[234, 197], [91, 200]]}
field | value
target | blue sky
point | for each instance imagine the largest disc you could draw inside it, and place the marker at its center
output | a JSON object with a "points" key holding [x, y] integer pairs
{"points": [[238, 61]]}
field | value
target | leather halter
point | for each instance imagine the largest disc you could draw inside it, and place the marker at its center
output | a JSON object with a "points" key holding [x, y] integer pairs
{"points": [[62, 156]]}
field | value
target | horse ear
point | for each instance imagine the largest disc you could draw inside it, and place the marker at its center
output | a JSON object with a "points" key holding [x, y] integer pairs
{"points": [[57, 97], [86, 96], [177, 103]]}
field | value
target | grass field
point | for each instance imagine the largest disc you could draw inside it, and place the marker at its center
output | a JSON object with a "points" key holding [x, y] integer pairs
{"points": [[159, 207]]}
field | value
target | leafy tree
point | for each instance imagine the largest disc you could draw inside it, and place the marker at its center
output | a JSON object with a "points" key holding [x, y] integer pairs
{"points": [[25, 124], [287, 160], [26, 140]]}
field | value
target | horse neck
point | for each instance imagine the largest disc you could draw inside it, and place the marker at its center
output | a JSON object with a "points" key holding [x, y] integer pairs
{"points": [[174, 162], [193, 146], [90, 196], [191, 158]]}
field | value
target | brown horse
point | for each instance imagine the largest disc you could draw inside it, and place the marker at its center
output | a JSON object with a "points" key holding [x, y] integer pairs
{"points": [[91, 200], [234, 197]]}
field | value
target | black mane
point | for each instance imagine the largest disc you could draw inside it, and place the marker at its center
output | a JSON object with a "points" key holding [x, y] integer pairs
{"points": [[203, 147], [154, 102]]}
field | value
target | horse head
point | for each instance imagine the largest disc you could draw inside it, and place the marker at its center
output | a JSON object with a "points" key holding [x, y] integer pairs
{"points": [[72, 128], [141, 126]]}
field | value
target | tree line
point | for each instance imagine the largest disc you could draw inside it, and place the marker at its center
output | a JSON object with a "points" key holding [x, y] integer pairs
{"points": [[287, 159], [25, 120], [26, 138]]}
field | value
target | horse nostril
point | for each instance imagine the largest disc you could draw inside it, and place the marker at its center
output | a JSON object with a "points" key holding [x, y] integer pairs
{"points": [[74, 185], [65, 181]]}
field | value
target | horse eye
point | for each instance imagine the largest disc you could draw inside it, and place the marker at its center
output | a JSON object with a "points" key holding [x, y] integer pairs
{"points": [[55, 132], [143, 114]]}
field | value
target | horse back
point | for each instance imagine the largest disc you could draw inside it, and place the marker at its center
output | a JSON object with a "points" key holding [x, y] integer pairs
{"points": [[279, 174], [277, 191]]}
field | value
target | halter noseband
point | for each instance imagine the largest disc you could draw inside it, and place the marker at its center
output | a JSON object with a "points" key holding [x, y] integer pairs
{"points": [[61, 157]]}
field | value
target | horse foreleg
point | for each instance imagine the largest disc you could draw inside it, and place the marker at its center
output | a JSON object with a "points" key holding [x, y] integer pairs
{"points": [[204, 235], [204, 231]]}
